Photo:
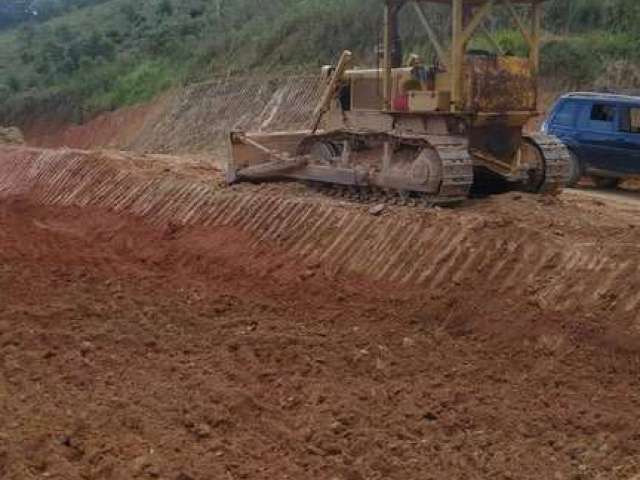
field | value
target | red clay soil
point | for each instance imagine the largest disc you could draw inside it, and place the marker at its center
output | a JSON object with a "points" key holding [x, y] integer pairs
{"points": [[116, 129], [128, 351]]}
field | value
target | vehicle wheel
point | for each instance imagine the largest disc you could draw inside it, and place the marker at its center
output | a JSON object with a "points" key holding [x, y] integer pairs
{"points": [[575, 170], [606, 182]]}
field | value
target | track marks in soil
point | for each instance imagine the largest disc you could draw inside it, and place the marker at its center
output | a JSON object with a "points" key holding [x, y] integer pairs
{"points": [[433, 249]]}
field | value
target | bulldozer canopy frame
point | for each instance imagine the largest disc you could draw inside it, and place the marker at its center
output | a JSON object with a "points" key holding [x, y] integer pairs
{"points": [[467, 17]]}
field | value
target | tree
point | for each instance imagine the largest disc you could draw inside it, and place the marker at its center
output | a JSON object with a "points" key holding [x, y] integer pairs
{"points": [[131, 13], [14, 84], [98, 47], [165, 8]]}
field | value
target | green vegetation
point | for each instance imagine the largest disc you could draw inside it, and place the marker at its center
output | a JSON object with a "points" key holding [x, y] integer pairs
{"points": [[102, 54], [15, 12]]}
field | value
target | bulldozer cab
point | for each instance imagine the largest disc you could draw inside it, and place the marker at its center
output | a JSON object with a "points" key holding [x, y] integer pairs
{"points": [[460, 81]]}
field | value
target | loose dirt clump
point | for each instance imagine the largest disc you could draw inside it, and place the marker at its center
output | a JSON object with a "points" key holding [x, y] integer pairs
{"points": [[131, 350]]}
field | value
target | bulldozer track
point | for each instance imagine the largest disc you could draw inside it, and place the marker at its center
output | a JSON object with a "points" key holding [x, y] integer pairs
{"points": [[557, 161], [457, 175], [458, 165], [412, 247]]}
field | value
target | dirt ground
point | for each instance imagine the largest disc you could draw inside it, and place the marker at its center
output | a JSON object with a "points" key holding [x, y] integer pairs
{"points": [[177, 353], [144, 348]]}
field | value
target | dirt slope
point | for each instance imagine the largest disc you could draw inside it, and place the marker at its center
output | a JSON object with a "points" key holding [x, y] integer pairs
{"points": [[116, 129], [156, 325], [195, 119]]}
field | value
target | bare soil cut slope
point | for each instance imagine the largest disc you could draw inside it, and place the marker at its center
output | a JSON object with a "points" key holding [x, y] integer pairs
{"points": [[196, 119]]}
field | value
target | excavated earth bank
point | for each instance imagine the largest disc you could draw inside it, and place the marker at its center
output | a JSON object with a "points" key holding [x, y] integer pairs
{"points": [[195, 119], [154, 324]]}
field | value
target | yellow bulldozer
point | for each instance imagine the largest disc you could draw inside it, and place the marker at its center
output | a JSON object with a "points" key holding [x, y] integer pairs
{"points": [[421, 133]]}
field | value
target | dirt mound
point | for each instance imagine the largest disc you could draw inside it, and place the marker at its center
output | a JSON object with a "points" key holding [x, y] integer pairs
{"points": [[11, 136]]}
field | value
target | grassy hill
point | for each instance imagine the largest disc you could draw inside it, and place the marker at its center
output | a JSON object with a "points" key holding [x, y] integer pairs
{"points": [[120, 52]]}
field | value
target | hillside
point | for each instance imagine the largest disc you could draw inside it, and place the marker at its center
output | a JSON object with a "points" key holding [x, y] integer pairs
{"points": [[103, 54]]}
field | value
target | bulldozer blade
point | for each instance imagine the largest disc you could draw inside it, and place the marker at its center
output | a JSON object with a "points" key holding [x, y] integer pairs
{"points": [[264, 155]]}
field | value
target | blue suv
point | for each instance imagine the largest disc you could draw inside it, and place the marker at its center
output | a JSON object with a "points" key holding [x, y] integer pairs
{"points": [[602, 131]]}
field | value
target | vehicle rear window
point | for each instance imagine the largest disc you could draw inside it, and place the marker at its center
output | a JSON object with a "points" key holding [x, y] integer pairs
{"points": [[602, 116], [630, 121], [566, 114]]}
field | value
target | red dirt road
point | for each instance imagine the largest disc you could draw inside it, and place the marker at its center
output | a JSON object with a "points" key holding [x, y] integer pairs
{"points": [[128, 351]]}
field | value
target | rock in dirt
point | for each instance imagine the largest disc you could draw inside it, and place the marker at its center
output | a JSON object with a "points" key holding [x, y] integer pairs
{"points": [[202, 430], [142, 464], [408, 342], [430, 417], [377, 210], [11, 136]]}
